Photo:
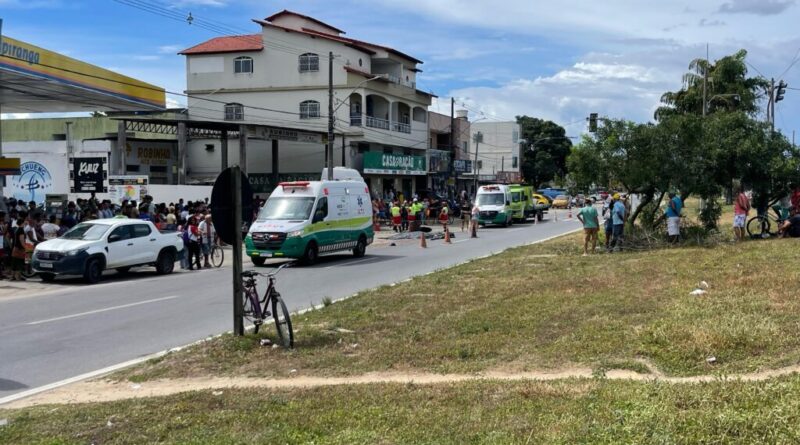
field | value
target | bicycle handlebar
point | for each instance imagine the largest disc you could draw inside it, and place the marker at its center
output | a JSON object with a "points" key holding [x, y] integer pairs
{"points": [[252, 273]]}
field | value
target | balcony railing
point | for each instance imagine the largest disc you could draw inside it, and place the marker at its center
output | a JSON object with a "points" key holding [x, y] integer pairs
{"points": [[355, 120], [376, 122], [401, 127]]}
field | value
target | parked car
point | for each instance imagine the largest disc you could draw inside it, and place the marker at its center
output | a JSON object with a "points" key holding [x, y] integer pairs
{"points": [[91, 247], [561, 202]]}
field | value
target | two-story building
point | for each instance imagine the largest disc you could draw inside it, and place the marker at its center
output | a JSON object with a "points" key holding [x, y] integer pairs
{"points": [[499, 152], [449, 153], [280, 77]]}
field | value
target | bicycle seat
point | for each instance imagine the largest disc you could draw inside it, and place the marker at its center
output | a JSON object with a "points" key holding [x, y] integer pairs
{"points": [[249, 273]]}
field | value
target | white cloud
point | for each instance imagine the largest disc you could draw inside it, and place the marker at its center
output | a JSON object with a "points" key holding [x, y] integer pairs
{"points": [[147, 58], [170, 49], [759, 7]]}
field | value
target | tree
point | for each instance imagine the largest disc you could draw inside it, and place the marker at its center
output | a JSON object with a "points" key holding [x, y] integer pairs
{"points": [[728, 89], [544, 156]]}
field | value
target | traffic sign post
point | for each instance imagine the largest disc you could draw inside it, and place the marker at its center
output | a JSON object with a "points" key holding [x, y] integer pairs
{"points": [[231, 206]]}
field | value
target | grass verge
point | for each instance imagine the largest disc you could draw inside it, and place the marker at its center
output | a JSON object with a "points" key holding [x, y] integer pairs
{"points": [[541, 307], [591, 411]]}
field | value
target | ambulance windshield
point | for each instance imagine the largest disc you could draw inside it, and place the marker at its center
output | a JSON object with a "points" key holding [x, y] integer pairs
{"points": [[287, 209]]}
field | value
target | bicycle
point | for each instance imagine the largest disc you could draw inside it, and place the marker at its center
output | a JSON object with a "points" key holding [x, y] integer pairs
{"points": [[256, 309], [217, 256], [760, 226]]}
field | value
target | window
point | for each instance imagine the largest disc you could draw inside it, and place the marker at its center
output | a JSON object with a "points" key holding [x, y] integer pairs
{"points": [[121, 233], [322, 210], [514, 162], [360, 62], [465, 146], [309, 109], [243, 65], [309, 62], [234, 112], [132, 168], [515, 136], [141, 230]]}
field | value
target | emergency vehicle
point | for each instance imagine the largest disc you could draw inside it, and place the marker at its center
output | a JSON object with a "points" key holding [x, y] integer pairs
{"points": [[494, 205]]}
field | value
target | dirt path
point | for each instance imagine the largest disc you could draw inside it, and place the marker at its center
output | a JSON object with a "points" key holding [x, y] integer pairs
{"points": [[106, 391]]}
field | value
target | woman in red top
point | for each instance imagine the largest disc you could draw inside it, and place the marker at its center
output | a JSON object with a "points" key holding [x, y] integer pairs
{"points": [[444, 216], [194, 244]]}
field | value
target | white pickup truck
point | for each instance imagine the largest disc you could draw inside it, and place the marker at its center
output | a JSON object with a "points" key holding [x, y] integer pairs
{"points": [[91, 247]]}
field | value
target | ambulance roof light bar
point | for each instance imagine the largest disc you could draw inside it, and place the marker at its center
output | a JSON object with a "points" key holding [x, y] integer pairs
{"points": [[294, 184]]}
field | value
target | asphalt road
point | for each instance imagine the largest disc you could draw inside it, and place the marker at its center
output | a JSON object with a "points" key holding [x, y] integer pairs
{"points": [[74, 329]]}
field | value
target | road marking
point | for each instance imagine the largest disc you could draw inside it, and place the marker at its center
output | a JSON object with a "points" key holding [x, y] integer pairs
{"points": [[97, 311]]}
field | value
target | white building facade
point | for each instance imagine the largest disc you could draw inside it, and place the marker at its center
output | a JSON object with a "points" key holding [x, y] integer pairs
{"points": [[279, 78], [499, 152]]}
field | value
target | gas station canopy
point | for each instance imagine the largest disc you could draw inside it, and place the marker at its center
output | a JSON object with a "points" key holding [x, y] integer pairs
{"points": [[35, 80]]}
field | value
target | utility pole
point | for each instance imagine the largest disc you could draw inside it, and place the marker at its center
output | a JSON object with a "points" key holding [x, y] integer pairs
{"points": [[771, 111], [478, 139], [453, 148], [705, 84], [329, 147]]}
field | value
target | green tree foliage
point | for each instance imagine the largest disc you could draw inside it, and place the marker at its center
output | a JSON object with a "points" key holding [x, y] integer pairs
{"points": [[545, 152]]}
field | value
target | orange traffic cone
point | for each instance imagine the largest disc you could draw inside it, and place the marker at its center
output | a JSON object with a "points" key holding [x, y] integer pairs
{"points": [[422, 242], [447, 236]]}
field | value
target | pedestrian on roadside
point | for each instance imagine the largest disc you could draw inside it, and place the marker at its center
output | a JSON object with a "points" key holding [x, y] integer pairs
{"points": [[673, 215], [618, 212], [5, 246], [194, 243], [741, 207], [396, 217], [404, 217], [591, 225], [51, 229], [18, 251], [473, 221], [444, 216], [208, 237], [608, 223]]}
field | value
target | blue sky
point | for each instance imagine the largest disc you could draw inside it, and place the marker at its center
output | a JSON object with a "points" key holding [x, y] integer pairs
{"points": [[556, 60]]}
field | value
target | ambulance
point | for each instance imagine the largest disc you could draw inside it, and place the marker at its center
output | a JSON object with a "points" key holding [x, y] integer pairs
{"points": [[303, 219], [494, 205]]}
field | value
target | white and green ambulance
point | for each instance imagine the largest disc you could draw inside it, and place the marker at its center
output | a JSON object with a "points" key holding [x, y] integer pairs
{"points": [[494, 205], [303, 219]]}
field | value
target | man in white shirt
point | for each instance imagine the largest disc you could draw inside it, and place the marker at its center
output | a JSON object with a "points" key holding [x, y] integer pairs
{"points": [[208, 235], [50, 228]]}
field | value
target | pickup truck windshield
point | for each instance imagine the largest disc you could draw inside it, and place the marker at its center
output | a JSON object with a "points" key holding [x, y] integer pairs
{"points": [[515, 197], [287, 209], [87, 232], [491, 199]]}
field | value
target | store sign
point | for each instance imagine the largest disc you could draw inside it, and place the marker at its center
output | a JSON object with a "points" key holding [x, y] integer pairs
{"points": [[509, 177], [33, 182], [127, 188], [263, 183], [285, 134], [9, 166], [392, 164], [462, 165], [439, 161], [154, 155], [88, 175]]}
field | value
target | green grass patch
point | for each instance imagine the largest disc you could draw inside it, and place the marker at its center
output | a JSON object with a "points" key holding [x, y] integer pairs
{"points": [[590, 411]]}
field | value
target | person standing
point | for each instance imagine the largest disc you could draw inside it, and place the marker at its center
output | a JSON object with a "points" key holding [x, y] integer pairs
{"points": [[444, 217], [591, 225], [404, 217], [673, 215], [396, 217], [208, 237], [473, 221], [50, 229], [741, 207], [465, 210], [194, 243], [618, 222], [18, 251]]}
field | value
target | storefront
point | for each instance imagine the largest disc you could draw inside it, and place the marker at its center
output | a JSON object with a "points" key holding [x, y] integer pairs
{"points": [[385, 172]]}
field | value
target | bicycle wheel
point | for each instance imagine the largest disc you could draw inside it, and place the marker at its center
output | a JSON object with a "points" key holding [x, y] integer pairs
{"points": [[282, 321], [758, 227], [252, 309], [217, 256]]}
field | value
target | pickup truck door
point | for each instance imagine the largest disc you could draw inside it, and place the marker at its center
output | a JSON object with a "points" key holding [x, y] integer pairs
{"points": [[145, 242], [120, 248]]}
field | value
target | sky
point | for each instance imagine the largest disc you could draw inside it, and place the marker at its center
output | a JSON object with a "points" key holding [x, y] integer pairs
{"points": [[557, 60]]}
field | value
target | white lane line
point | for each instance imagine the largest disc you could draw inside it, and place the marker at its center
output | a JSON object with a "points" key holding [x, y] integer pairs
{"points": [[97, 311]]}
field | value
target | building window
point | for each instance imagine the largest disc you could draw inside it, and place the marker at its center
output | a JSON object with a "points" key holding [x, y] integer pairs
{"points": [[309, 109], [465, 146], [309, 62], [515, 136], [234, 112], [242, 65], [514, 162], [360, 62]]}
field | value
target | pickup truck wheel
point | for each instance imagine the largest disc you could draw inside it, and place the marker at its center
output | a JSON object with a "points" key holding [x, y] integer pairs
{"points": [[47, 277], [123, 270], [361, 247], [311, 254], [258, 261], [93, 271], [165, 263]]}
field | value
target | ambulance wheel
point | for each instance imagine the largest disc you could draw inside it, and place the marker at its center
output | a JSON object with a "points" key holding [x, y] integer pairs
{"points": [[361, 247], [311, 254], [258, 261]]}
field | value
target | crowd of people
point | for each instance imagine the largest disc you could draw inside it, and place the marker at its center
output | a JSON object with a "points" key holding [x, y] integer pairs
{"points": [[23, 225], [406, 215]]}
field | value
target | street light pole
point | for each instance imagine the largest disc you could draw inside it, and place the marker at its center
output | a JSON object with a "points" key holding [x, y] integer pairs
{"points": [[329, 147], [478, 140]]}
